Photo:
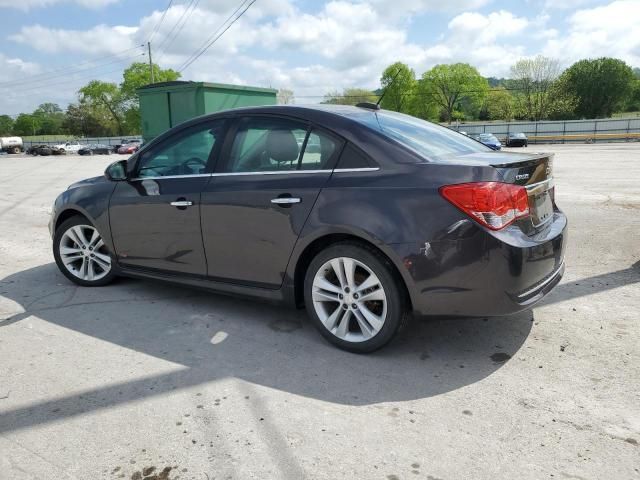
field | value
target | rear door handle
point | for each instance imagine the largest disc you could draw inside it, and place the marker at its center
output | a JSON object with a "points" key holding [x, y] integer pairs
{"points": [[181, 203], [285, 200]]}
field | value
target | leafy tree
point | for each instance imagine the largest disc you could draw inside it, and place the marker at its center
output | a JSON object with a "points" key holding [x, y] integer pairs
{"points": [[532, 78], [81, 120], [500, 104], [25, 125], [601, 86], [138, 74], [398, 84], [454, 88], [50, 118], [105, 97], [285, 96], [633, 104], [350, 96], [6, 125]]}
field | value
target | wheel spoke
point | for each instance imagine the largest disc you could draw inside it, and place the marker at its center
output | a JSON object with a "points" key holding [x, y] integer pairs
{"points": [[343, 327], [95, 236], [324, 284], [324, 296], [349, 271], [336, 264], [80, 235], [375, 295], [69, 259], [375, 321], [332, 320], [370, 282], [99, 244], [101, 258], [366, 329], [70, 251], [90, 269]]}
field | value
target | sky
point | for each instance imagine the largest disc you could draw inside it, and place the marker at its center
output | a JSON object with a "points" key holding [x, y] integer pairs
{"points": [[50, 48]]}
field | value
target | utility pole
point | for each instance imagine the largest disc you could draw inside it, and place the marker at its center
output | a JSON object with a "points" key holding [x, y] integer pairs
{"points": [[150, 61]]}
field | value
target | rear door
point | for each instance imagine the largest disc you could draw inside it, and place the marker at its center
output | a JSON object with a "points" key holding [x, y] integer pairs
{"points": [[155, 216], [259, 198]]}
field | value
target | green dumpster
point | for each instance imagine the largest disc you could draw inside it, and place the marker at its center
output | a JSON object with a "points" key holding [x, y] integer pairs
{"points": [[164, 105]]}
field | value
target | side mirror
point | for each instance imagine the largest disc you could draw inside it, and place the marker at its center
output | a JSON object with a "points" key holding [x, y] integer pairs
{"points": [[117, 171]]}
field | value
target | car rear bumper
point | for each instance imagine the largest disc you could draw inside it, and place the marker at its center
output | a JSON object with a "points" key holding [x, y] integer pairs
{"points": [[480, 273]]}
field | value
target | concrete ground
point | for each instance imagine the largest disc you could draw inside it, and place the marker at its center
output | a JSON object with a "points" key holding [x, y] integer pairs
{"points": [[144, 378]]}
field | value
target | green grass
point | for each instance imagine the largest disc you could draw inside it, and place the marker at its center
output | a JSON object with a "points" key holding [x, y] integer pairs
{"points": [[46, 138]]}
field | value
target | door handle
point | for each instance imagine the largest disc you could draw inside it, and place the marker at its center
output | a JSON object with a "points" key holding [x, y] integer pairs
{"points": [[181, 203], [285, 200]]}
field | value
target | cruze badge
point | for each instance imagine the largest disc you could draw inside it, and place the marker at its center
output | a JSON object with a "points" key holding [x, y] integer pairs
{"points": [[522, 176]]}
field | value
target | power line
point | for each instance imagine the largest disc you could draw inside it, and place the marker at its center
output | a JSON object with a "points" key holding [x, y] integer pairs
{"points": [[218, 36], [157, 27], [47, 75], [182, 66], [46, 82], [66, 81], [168, 40]]}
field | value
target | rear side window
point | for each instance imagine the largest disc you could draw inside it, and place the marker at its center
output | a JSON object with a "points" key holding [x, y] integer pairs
{"points": [[431, 141], [264, 144], [352, 158]]}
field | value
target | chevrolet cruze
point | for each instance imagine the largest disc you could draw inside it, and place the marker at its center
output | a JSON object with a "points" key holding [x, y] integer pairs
{"points": [[358, 214]]}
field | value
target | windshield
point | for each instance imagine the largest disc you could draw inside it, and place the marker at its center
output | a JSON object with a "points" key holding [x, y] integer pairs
{"points": [[431, 141], [517, 135]]}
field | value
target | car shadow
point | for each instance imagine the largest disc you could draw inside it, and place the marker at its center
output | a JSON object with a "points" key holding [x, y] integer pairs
{"points": [[216, 337]]}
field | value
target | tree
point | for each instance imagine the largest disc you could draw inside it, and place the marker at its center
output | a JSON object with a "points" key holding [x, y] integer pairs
{"points": [[138, 74], [26, 125], [500, 104], [285, 96], [532, 78], [106, 97], [350, 96], [601, 86], [50, 118], [80, 119], [454, 87], [398, 84], [6, 125]]}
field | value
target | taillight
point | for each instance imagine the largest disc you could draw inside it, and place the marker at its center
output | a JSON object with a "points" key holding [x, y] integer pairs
{"points": [[492, 204]]}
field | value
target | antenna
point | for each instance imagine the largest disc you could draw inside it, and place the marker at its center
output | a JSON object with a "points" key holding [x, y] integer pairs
{"points": [[387, 87]]}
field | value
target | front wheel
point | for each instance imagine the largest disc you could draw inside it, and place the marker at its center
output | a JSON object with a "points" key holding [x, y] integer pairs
{"points": [[81, 254], [354, 298]]}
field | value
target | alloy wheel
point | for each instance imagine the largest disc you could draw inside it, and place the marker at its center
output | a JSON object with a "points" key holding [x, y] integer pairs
{"points": [[349, 299], [84, 253]]}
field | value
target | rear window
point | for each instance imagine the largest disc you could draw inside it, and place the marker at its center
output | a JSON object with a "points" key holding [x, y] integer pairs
{"points": [[429, 140]]}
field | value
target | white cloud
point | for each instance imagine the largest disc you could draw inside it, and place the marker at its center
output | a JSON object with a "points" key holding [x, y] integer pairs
{"points": [[31, 4], [611, 30], [101, 39]]}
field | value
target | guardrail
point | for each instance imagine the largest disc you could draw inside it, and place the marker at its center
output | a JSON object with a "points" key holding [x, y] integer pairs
{"points": [[47, 140], [562, 131]]}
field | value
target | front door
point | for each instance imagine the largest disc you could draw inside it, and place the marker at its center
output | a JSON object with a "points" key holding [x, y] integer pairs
{"points": [[260, 196], [155, 216]]}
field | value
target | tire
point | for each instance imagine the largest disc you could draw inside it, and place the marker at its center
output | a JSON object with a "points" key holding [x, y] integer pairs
{"points": [[72, 261], [15, 150], [329, 303]]}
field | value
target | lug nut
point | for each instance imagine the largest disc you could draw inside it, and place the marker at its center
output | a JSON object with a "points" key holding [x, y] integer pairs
{"points": [[355, 295], [346, 289], [354, 306], [345, 306], [341, 296]]}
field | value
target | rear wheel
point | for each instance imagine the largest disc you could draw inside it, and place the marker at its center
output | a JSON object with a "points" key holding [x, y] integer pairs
{"points": [[15, 150], [354, 298], [81, 254]]}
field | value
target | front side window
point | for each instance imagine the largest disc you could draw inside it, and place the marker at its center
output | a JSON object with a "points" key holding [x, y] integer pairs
{"points": [[187, 153], [276, 144]]}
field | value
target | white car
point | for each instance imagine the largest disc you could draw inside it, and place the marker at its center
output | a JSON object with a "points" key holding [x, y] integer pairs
{"points": [[69, 147]]}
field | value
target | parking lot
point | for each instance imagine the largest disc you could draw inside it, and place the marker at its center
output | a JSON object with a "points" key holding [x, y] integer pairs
{"points": [[113, 382]]}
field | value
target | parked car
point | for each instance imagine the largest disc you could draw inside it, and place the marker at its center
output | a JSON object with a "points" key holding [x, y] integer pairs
{"points": [[69, 147], [11, 144], [129, 148], [393, 214], [125, 141], [95, 149], [45, 150], [488, 139], [518, 139]]}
